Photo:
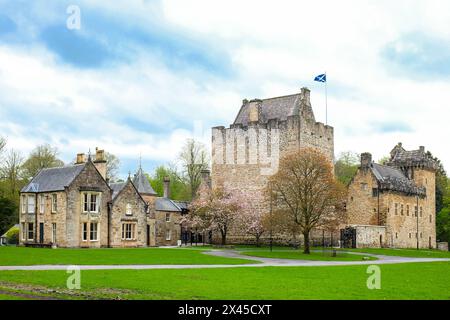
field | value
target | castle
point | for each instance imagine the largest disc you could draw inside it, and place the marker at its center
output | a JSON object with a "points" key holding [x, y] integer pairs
{"points": [[391, 205], [247, 153]]}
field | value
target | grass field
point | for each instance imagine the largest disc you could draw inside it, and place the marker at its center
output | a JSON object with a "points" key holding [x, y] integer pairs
{"points": [[398, 281], [404, 252], [314, 255], [13, 256]]}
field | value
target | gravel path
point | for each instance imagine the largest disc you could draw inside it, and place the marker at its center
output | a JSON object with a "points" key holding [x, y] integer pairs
{"points": [[263, 262]]}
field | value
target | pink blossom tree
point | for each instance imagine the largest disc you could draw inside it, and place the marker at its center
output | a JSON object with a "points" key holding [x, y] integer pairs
{"points": [[216, 209], [252, 222]]}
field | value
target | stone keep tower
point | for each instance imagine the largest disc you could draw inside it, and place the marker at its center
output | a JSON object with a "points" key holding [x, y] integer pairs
{"points": [[248, 152]]}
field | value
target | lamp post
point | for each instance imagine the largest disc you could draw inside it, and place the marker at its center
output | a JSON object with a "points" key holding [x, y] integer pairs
{"points": [[271, 218]]}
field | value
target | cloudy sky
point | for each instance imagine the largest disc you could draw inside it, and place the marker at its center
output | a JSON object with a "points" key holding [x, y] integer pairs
{"points": [[139, 77]]}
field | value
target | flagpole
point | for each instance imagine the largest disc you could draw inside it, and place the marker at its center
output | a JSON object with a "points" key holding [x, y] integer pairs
{"points": [[326, 99]]}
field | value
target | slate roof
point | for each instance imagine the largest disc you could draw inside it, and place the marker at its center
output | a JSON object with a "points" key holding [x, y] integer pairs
{"points": [[184, 205], [53, 179], [165, 204], [403, 158], [116, 188], [393, 179], [142, 184], [273, 108]]}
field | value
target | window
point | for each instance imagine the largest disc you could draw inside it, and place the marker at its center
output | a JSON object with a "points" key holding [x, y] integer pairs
{"points": [[53, 232], [168, 234], [91, 202], [421, 212], [421, 235], [41, 203], [401, 209], [128, 231], [351, 198], [93, 231], [167, 217], [84, 231], [93, 207], [30, 231], [431, 219], [410, 235], [24, 204], [374, 192], [396, 208], [24, 231], [31, 204], [54, 203], [128, 210], [396, 235], [407, 209], [415, 211], [363, 186]]}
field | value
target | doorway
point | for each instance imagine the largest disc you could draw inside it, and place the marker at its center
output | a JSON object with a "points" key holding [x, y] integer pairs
{"points": [[41, 232]]}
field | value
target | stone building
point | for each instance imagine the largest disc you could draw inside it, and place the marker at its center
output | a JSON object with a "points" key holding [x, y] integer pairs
{"points": [[248, 152], [392, 205], [75, 206]]}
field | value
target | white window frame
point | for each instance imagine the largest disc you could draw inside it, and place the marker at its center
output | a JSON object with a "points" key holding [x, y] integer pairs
{"points": [[167, 216], [128, 210], [168, 235], [84, 231], [28, 231], [31, 204], [86, 202], [24, 204], [54, 203], [128, 231], [41, 203], [94, 232]]}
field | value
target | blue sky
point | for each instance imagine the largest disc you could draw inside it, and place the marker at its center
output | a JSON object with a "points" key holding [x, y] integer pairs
{"points": [[139, 77]]}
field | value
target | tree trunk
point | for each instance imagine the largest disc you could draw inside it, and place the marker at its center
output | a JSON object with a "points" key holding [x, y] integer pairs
{"points": [[306, 238], [224, 237], [257, 241]]}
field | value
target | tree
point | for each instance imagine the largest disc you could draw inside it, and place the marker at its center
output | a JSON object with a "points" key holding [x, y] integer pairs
{"points": [[252, 222], [443, 217], [8, 214], [112, 166], [178, 188], [41, 157], [2, 145], [11, 172], [194, 159], [217, 209], [306, 189], [346, 166]]}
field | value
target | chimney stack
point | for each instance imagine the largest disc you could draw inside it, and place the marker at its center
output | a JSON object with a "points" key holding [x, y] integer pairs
{"points": [[254, 110], [81, 158], [366, 160], [166, 187], [305, 95], [422, 149], [100, 162]]}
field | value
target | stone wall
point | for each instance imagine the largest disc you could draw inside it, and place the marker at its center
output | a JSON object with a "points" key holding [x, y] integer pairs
{"points": [[161, 227], [370, 236]]}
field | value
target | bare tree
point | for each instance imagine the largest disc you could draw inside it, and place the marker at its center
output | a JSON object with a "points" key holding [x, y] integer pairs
{"points": [[306, 189], [2, 144], [194, 159], [112, 166]]}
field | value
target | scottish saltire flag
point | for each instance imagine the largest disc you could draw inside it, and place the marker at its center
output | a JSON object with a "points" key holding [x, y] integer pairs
{"points": [[321, 78]]}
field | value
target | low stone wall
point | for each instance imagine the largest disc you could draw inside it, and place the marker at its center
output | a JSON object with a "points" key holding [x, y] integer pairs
{"points": [[443, 246]]}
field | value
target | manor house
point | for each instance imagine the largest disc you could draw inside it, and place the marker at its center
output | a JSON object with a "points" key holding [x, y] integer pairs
{"points": [[76, 206]]}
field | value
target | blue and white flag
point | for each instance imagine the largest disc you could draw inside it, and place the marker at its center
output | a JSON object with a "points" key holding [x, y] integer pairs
{"points": [[321, 78]]}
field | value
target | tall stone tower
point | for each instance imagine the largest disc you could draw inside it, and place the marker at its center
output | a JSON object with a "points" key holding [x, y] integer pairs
{"points": [[248, 152]]}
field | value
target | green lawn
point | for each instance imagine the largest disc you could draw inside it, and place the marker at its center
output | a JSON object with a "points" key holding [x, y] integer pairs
{"points": [[299, 255], [398, 281], [422, 253], [13, 256]]}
